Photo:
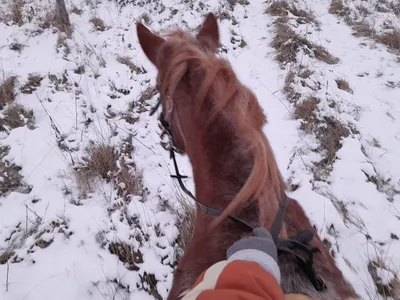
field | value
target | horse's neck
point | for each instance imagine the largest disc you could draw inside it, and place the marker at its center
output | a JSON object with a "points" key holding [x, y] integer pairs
{"points": [[221, 165]]}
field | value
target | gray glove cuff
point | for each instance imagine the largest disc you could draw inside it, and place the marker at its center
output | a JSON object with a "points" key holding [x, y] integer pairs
{"points": [[261, 241], [259, 248]]}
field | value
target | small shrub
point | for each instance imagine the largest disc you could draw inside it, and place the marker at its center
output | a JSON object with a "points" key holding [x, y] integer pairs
{"points": [[344, 85], [98, 24], [7, 94]]}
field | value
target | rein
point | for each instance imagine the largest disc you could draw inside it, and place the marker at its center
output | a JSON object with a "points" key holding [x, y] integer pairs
{"points": [[284, 246]]}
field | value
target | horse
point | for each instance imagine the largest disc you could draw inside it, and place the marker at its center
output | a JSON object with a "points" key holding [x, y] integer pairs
{"points": [[218, 123]]}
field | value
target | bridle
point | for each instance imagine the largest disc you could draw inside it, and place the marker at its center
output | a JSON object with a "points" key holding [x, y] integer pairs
{"points": [[284, 246]]}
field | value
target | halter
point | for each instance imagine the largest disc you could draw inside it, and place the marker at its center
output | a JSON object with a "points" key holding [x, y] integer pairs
{"points": [[284, 246]]}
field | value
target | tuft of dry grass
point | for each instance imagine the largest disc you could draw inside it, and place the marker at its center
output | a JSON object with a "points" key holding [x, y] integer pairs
{"points": [[390, 39], [11, 179], [344, 85], [287, 43], [16, 14], [34, 81], [127, 254], [16, 116], [306, 110], [16, 46], [126, 60], [330, 134], [338, 8], [7, 93], [322, 54], [390, 289], [98, 24], [363, 29], [186, 220], [62, 43], [278, 9], [281, 9]]}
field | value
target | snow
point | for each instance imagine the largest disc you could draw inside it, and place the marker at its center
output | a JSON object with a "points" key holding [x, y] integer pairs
{"points": [[78, 264]]}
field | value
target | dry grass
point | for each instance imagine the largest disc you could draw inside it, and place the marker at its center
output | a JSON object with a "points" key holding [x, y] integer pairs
{"points": [[127, 254], [363, 29], [34, 81], [7, 93], [344, 85], [278, 9], [289, 79], [330, 133], [390, 289], [126, 60], [98, 24], [281, 9], [187, 218], [107, 162], [16, 116], [62, 43], [306, 110], [287, 44], [16, 14], [338, 8], [16, 46], [11, 179], [390, 39]]}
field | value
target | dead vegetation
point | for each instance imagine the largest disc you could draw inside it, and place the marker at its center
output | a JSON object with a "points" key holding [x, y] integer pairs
{"points": [[98, 24], [287, 44], [16, 46], [391, 39], [127, 254], [114, 164], [186, 220], [338, 8], [127, 61], [386, 287], [16, 14], [11, 179], [7, 91], [33, 83], [16, 116], [344, 85], [282, 9]]}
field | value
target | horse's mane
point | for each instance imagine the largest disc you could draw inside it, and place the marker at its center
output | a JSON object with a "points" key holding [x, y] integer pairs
{"points": [[216, 82]]}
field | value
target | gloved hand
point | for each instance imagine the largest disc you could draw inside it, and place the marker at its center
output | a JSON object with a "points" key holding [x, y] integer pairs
{"points": [[258, 248]]}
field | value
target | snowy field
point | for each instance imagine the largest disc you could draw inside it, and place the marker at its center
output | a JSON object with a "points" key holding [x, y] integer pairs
{"points": [[87, 206]]}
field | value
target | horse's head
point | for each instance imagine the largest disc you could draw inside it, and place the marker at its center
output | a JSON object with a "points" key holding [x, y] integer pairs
{"points": [[177, 59]]}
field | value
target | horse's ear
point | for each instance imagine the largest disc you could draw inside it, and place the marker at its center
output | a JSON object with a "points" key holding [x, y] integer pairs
{"points": [[208, 35], [149, 42]]}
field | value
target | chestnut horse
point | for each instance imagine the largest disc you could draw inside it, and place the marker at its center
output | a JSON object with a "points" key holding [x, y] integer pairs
{"points": [[218, 122]]}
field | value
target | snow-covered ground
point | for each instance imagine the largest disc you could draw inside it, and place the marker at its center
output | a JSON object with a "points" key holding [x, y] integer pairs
{"points": [[62, 236]]}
